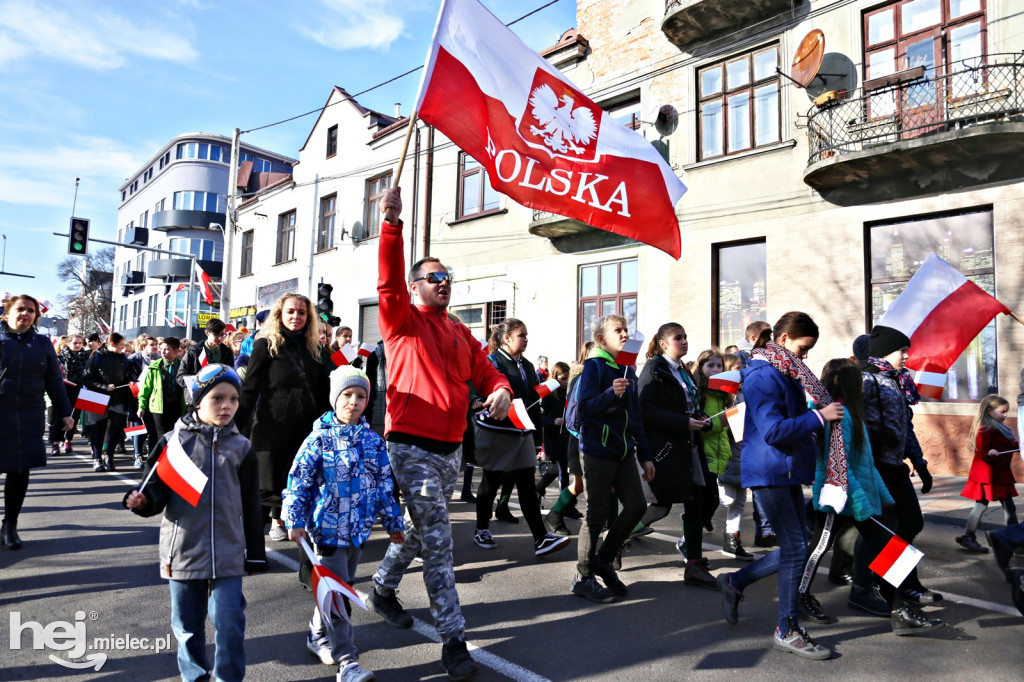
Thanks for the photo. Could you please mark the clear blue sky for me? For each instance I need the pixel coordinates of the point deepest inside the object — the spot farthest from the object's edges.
(93, 88)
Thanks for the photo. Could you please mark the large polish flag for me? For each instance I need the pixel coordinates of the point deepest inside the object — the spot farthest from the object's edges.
(543, 142)
(179, 472)
(204, 284)
(941, 311)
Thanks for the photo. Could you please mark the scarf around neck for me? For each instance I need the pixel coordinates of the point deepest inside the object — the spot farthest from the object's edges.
(902, 375)
(789, 365)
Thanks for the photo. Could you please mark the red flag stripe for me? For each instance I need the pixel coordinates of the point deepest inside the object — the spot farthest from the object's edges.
(889, 554)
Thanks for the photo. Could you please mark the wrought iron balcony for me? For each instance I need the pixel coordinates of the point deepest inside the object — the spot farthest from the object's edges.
(687, 21)
(924, 135)
(572, 236)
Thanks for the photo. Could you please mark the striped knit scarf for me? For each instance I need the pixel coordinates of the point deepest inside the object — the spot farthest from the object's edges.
(834, 492)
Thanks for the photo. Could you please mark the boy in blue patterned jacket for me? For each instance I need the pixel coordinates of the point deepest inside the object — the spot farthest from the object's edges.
(339, 483)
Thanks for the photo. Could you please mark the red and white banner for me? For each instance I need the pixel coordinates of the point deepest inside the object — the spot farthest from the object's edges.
(329, 590)
(725, 381)
(941, 311)
(518, 414)
(178, 321)
(366, 349)
(630, 350)
(543, 142)
(179, 472)
(204, 284)
(91, 401)
(735, 416)
(896, 560)
(103, 327)
(547, 388)
(203, 360)
(345, 355)
(139, 430)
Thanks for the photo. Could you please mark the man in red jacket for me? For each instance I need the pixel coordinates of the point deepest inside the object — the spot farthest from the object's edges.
(430, 359)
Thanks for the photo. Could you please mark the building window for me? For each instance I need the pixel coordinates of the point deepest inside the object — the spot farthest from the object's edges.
(332, 141)
(285, 237)
(159, 206)
(151, 310)
(258, 165)
(475, 192)
(965, 241)
(202, 150)
(627, 113)
(607, 289)
(200, 248)
(480, 317)
(942, 36)
(375, 188)
(144, 219)
(247, 238)
(740, 295)
(325, 231)
(199, 201)
(177, 305)
(739, 103)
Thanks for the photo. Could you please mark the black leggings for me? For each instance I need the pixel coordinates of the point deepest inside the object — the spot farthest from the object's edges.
(111, 426)
(692, 521)
(523, 479)
(15, 488)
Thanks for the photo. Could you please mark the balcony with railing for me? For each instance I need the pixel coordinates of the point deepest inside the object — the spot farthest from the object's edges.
(687, 21)
(920, 133)
(572, 236)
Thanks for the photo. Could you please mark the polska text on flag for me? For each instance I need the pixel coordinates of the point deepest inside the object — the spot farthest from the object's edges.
(630, 350)
(941, 312)
(547, 388)
(179, 472)
(543, 142)
(91, 401)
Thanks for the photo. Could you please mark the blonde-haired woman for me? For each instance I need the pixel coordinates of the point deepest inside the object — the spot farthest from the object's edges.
(286, 388)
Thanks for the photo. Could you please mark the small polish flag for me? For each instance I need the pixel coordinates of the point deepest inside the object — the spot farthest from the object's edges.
(366, 349)
(70, 383)
(203, 360)
(179, 321)
(135, 430)
(345, 355)
(725, 381)
(44, 305)
(630, 350)
(547, 388)
(519, 416)
(134, 386)
(735, 416)
(91, 401)
(106, 329)
(896, 560)
(204, 284)
(930, 384)
(180, 473)
(330, 591)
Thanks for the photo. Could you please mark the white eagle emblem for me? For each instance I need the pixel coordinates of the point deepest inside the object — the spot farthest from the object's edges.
(562, 128)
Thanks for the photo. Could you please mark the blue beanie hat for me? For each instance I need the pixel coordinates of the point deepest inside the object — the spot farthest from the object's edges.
(210, 376)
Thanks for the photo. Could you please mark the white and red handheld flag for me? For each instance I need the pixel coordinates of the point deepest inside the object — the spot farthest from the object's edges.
(179, 472)
(345, 355)
(725, 381)
(134, 386)
(547, 388)
(735, 416)
(203, 360)
(544, 143)
(104, 328)
(139, 430)
(941, 312)
(366, 349)
(518, 414)
(329, 590)
(91, 401)
(630, 350)
(896, 560)
(204, 284)
(44, 305)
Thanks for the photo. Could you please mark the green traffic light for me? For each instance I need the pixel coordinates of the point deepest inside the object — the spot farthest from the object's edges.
(78, 247)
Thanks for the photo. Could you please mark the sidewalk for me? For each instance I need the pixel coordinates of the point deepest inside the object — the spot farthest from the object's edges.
(945, 505)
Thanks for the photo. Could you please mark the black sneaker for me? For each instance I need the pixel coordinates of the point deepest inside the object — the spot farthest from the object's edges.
(589, 588)
(731, 547)
(456, 660)
(550, 543)
(731, 598)
(809, 607)
(503, 513)
(389, 608)
(571, 512)
(908, 620)
(606, 572)
(870, 601)
(483, 539)
(767, 540)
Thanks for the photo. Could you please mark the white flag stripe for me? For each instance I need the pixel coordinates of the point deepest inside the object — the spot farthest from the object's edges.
(902, 567)
(931, 284)
(184, 466)
(930, 378)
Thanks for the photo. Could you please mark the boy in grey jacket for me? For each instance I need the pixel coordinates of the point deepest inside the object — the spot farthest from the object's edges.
(204, 551)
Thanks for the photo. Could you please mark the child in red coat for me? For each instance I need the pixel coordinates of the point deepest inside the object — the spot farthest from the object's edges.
(991, 478)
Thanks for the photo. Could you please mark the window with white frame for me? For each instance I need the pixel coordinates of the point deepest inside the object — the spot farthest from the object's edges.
(285, 238)
(739, 103)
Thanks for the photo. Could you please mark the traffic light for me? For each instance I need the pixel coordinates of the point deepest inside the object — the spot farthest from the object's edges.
(324, 304)
(78, 240)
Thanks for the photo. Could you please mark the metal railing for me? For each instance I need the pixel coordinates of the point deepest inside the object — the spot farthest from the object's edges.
(971, 92)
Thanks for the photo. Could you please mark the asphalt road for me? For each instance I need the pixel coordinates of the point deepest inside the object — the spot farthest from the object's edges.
(93, 565)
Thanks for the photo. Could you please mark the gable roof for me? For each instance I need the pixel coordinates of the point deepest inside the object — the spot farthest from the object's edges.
(376, 118)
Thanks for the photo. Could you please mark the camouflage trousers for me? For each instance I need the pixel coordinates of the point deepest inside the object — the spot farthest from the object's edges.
(427, 480)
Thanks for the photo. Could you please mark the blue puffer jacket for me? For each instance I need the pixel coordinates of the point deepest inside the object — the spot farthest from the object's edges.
(778, 448)
(611, 424)
(339, 483)
(866, 492)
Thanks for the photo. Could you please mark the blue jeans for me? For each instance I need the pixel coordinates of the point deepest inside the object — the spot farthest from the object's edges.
(762, 526)
(784, 508)
(190, 601)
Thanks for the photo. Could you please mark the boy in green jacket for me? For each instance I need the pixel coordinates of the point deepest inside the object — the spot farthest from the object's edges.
(161, 400)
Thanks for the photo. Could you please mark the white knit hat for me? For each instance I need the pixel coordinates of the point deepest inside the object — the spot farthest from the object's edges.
(346, 376)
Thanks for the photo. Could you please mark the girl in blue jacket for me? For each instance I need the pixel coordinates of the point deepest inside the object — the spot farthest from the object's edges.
(778, 457)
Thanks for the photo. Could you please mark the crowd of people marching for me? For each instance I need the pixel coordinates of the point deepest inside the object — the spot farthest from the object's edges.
(314, 447)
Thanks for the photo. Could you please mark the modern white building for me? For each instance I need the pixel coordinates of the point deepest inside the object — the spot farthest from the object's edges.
(177, 202)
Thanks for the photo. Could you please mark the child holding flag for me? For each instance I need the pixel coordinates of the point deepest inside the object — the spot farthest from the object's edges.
(339, 483)
(990, 478)
(207, 480)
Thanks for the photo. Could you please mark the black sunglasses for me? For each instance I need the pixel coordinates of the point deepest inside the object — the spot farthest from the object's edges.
(436, 278)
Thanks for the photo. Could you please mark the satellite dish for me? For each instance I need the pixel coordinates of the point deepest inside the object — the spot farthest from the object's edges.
(808, 58)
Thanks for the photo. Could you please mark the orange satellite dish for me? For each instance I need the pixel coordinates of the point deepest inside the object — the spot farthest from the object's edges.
(808, 58)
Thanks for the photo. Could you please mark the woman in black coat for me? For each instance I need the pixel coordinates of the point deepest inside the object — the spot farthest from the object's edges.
(668, 406)
(28, 370)
(106, 372)
(286, 389)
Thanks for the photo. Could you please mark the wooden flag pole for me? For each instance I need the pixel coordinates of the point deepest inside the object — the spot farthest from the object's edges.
(389, 215)
(1016, 317)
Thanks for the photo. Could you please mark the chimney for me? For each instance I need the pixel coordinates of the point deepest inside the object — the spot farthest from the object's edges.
(398, 110)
